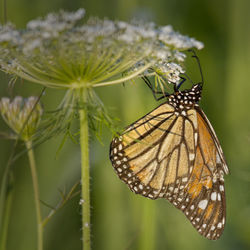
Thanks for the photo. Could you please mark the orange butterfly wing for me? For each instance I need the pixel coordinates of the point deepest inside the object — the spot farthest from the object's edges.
(175, 155)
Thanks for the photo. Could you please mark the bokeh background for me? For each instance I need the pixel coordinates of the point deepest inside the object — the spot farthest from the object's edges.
(122, 220)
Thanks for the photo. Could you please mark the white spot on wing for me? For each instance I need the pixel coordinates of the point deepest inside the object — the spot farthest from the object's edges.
(225, 168)
(202, 204)
(184, 179)
(213, 196)
(218, 159)
(191, 156)
(195, 138)
(219, 197)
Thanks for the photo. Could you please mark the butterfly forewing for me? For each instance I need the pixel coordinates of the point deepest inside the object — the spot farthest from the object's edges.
(173, 153)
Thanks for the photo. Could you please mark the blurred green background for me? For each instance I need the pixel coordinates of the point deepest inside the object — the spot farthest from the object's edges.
(120, 219)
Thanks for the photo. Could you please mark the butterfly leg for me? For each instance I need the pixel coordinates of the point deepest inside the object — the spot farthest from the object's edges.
(155, 93)
(176, 87)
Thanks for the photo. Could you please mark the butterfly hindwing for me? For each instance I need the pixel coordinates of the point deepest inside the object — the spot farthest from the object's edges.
(174, 153)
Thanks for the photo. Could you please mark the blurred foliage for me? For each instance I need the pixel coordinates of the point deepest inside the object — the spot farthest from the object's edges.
(117, 223)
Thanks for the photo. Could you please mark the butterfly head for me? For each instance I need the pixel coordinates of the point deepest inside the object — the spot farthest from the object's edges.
(187, 98)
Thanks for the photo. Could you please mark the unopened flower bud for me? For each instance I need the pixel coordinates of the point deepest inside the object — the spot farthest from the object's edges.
(22, 115)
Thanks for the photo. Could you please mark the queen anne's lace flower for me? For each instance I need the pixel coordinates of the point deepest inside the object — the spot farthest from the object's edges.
(63, 52)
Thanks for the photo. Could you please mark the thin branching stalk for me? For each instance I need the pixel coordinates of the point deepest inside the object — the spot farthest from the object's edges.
(85, 200)
(65, 198)
(36, 195)
(123, 79)
(6, 214)
(3, 198)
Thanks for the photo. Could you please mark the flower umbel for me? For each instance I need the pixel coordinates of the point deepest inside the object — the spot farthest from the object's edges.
(60, 51)
(22, 115)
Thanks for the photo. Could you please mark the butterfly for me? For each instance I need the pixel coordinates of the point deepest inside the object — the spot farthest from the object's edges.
(173, 153)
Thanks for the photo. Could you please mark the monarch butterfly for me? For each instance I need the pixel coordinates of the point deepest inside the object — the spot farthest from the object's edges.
(173, 152)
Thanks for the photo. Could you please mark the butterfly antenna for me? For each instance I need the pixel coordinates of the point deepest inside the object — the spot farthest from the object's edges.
(199, 64)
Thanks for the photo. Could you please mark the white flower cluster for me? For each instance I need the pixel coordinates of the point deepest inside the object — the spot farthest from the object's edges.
(53, 24)
(173, 72)
(60, 51)
(8, 34)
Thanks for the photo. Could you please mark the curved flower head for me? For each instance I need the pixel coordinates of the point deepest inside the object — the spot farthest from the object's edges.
(22, 115)
(62, 51)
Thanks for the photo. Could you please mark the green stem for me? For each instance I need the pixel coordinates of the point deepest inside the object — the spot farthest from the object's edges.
(6, 213)
(36, 195)
(85, 200)
(148, 223)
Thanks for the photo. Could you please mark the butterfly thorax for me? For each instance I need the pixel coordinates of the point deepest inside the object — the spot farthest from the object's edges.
(186, 99)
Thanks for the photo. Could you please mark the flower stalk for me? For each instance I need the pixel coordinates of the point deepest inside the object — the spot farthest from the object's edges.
(23, 117)
(32, 164)
(6, 202)
(85, 196)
